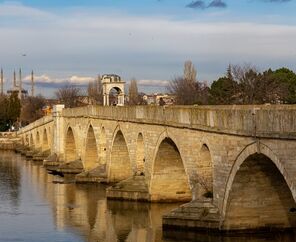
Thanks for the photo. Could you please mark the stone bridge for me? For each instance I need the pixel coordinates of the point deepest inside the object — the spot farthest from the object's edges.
(234, 165)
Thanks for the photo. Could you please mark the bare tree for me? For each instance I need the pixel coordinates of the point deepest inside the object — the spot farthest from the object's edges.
(95, 91)
(257, 88)
(133, 92)
(187, 89)
(32, 108)
(68, 95)
(189, 71)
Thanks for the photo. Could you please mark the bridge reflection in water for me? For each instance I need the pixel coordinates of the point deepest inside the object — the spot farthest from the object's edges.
(81, 212)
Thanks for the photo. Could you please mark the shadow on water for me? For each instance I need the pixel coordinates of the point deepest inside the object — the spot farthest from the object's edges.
(83, 211)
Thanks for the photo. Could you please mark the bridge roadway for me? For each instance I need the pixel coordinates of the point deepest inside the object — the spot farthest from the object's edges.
(234, 165)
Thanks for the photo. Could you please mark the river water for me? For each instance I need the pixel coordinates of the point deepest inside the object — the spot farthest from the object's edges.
(36, 206)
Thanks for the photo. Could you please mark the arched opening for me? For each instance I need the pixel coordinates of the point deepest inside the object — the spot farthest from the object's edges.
(120, 166)
(114, 96)
(45, 144)
(27, 141)
(259, 197)
(140, 155)
(169, 180)
(204, 186)
(103, 147)
(31, 141)
(91, 152)
(37, 139)
(70, 146)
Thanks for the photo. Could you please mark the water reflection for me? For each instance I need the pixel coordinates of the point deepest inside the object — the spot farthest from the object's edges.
(10, 180)
(72, 212)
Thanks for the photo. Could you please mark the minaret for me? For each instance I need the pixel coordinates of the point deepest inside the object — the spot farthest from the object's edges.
(20, 85)
(14, 80)
(1, 81)
(32, 83)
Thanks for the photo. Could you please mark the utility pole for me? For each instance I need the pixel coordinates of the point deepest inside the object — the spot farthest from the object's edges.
(32, 83)
(1, 81)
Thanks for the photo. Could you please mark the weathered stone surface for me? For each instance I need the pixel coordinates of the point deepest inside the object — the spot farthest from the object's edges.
(96, 175)
(72, 167)
(134, 188)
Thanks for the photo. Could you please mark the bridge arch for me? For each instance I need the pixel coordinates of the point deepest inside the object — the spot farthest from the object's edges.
(169, 181)
(70, 146)
(120, 166)
(31, 141)
(140, 155)
(91, 150)
(27, 140)
(45, 141)
(38, 142)
(204, 166)
(258, 192)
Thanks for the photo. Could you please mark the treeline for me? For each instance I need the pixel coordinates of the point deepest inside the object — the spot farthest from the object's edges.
(239, 85)
(16, 113)
(10, 109)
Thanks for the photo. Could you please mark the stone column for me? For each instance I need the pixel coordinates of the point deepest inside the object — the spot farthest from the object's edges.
(58, 132)
(121, 99)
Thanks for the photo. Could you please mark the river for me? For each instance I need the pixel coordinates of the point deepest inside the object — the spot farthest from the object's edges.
(36, 206)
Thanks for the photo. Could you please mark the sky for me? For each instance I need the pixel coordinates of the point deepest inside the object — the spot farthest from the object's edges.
(74, 41)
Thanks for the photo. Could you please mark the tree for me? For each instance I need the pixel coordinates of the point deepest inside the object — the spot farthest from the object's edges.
(68, 95)
(286, 79)
(189, 72)
(4, 125)
(187, 89)
(133, 92)
(14, 108)
(95, 91)
(223, 91)
(32, 108)
(245, 85)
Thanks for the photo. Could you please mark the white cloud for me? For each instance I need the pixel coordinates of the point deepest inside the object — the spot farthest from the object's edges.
(157, 83)
(46, 79)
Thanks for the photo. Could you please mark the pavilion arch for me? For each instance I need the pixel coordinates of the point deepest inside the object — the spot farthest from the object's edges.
(91, 159)
(114, 95)
(140, 155)
(45, 142)
(120, 166)
(169, 181)
(70, 146)
(103, 147)
(258, 192)
(204, 186)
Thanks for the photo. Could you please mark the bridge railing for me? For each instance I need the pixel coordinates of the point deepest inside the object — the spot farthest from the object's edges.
(248, 120)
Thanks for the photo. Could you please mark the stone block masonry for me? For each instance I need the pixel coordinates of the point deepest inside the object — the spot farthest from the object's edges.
(239, 161)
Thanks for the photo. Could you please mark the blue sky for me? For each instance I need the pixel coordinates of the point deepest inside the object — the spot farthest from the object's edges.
(148, 39)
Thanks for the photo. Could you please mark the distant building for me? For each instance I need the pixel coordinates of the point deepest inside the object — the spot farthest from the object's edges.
(153, 99)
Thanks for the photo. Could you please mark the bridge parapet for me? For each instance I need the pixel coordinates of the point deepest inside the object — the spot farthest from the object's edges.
(42, 121)
(274, 121)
